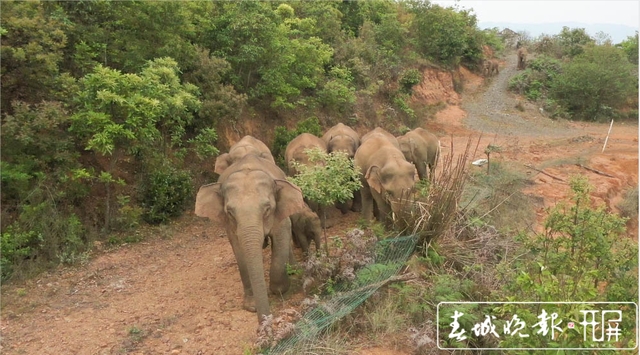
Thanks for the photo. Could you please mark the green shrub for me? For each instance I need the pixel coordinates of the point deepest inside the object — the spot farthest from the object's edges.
(337, 93)
(534, 82)
(165, 192)
(409, 79)
(41, 233)
(630, 47)
(595, 81)
(580, 256)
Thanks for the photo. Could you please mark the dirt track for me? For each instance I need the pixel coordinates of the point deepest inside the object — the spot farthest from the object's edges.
(183, 294)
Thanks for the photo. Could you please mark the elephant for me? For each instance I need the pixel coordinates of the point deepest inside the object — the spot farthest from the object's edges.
(306, 228)
(388, 178)
(522, 58)
(295, 150)
(379, 130)
(491, 66)
(253, 200)
(422, 148)
(247, 145)
(342, 138)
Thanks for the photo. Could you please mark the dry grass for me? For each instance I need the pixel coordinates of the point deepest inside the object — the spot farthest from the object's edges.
(432, 213)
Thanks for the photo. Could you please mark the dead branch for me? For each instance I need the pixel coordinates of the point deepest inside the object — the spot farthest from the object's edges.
(543, 172)
(596, 171)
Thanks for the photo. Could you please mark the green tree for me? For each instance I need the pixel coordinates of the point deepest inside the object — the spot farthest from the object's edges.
(630, 47)
(595, 82)
(124, 114)
(440, 33)
(32, 50)
(574, 40)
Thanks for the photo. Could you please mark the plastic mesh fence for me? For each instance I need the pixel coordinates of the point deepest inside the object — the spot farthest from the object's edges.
(391, 255)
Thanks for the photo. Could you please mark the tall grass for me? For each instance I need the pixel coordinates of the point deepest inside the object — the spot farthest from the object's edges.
(432, 211)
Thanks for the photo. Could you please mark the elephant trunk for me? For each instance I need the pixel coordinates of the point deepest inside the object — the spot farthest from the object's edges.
(251, 239)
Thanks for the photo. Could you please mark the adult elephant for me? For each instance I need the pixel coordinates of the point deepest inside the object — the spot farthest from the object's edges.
(422, 148)
(247, 145)
(253, 200)
(296, 150)
(377, 131)
(522, 58)
(388, 178)
(342, 138)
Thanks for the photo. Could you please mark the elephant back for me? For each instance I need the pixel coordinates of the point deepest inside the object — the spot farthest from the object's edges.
(253, 162)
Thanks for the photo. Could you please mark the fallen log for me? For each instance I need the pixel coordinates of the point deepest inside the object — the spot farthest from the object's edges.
(543, 172)
(596, 171)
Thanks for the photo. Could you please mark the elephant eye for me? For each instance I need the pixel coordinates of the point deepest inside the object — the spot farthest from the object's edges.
(267, 210)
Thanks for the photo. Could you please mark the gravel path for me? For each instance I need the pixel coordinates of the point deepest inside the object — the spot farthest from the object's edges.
(493, 111)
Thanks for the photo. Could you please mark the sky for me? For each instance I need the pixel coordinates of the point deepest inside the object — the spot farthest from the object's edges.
(609, 12)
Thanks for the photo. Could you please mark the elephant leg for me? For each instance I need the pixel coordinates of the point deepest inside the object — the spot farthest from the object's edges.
(318, 241)
(292, 257)
(367, 203)
(300, 237)
(248, 302)
(384, 211)
(422, 169)
(281, 244)
(343, 207)
(356, 205)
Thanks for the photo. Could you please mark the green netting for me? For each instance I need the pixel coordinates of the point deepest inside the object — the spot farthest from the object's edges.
(391, 255)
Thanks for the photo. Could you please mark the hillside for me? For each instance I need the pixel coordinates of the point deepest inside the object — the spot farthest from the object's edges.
(178, 290)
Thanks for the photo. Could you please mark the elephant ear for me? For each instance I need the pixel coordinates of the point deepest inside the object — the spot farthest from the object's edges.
(209, 202)
(222, 163)
(288, 200)
(373, 178)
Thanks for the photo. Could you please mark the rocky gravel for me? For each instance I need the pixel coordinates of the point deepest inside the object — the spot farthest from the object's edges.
(493, 110)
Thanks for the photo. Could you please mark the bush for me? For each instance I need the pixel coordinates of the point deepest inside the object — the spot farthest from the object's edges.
(42, 233)
(409, 79)
(582, 250)
(165, 193)
(594, 81)
(337, 93)
(534, 82)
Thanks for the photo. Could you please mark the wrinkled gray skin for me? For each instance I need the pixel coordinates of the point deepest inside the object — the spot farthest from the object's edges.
(392, 139)
(247, 145)
(306, 228)
(422, 148)
(253, 200)
(387, 178)
(296, 150)
(342, 138)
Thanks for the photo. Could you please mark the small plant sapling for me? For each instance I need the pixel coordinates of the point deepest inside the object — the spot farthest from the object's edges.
(488, 150)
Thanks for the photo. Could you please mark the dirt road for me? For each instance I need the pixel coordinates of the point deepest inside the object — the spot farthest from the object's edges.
(182, 294)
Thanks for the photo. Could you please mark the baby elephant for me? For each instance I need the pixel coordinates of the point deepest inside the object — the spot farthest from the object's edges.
(491, 66)
(306, 228)
(422, 148)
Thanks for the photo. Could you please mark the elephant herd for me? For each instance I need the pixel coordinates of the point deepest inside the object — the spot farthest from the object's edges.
(254, 201)
(491, 67)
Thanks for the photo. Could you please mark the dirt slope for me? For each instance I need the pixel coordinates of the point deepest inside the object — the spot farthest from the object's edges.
(182, 294)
